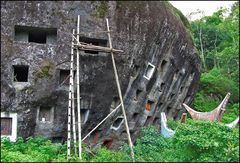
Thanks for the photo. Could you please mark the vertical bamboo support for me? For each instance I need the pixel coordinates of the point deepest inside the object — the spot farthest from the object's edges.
(73, 99)
(69, 108)
(120, 95)
(78, 97)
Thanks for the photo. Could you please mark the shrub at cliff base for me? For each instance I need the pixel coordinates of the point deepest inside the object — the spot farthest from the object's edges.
(193, 141)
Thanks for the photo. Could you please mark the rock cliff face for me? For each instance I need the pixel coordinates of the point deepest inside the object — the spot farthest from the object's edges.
(158, 71)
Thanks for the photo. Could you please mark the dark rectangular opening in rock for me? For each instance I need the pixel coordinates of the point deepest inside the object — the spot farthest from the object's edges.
(108, 143)
(64, 77)
(168, 109)
(156, 121)
(149, 105)
(148, 120)
(45, 114)
(115, 102)
(84, 115)
(163, 65)
(93, 41)
(117, 122)
(181, 90)
(135, 117)
(36, 34)
(37, 37)
(135, 70)
(149, 72)
(20, 73)
(138, 94)
(171, 96)
(162, 86)
(6, 126)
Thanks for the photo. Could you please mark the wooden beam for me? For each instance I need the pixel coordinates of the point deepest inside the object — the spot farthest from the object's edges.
(78, 98)
(120, 95)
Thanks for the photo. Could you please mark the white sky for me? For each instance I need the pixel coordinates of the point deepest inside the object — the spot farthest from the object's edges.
(208, 7)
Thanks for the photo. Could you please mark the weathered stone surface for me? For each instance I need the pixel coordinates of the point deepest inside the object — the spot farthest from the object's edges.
(145, 31)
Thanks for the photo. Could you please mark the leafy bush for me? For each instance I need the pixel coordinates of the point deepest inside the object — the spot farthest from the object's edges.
(194, 141)
(218, 83)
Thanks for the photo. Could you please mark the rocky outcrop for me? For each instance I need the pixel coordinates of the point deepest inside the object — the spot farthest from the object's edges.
(158, 70)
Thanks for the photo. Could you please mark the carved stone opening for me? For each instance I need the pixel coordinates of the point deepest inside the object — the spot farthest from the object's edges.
(117, 123)
(93, 41)
(64, 77)
(45, 114)
(156, 121)
(36, 34)
(149, 105)
(163, 65)
(149, 72)
(6, 126)
(135, 117)
(84, 115)
(138, 94)
(115, 102)
(148, 120)
(20, 73)
(108, 143)
(162, 87)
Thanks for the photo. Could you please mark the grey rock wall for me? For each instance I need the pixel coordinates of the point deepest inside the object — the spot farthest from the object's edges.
(147, 32)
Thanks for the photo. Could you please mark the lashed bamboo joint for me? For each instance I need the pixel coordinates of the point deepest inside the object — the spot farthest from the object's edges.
(84, 46)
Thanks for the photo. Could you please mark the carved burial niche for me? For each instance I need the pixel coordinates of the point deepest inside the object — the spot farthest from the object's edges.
(163, 66)
(85, 104)
(108, 143)
(156, 121)
(20, 73)
(149, 72)
(6, 126)
(115, 102)
(36, 34)
(138, 94)
(84, 115)
(149, 105)
(93, 41)
(46, 114)
(148, 120)
(117, 123)
(64, 77)
(9, 125)
(135, 117)
(162, 87)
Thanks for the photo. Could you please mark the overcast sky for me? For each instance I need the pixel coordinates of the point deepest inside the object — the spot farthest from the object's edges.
(208, 7)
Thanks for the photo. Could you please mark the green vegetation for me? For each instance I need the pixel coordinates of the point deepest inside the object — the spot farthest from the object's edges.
(45, 71)
(193, 141)
(101, 9)
(217, 38)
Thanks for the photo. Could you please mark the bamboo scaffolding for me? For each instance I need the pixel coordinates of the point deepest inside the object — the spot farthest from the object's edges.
(78, 98)
(97, 48)
(69, 110)
(73, 100)
(120, 95)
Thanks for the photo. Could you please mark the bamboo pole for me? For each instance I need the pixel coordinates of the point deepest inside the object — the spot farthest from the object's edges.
(120, 95)
(73, 100)
(69, 111)
(78, 97)
(101, 122)
(85, 46)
